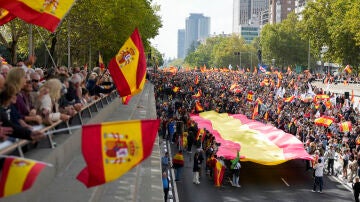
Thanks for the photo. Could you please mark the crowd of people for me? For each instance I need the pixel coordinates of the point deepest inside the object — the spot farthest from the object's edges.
(287, 100)
(35, 96)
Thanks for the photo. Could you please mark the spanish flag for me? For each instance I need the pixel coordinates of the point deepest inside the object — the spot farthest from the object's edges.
(18, 175)
(345, 126)
(198, 107)
(256, 111)
(101, 63)
(197, 79)
(259, 143)
(176, 89)
(128, 67)
(321, 97)
(219, 171)
(44, 13)
(289, 99)
(324, 121)
(250, 96)
(198, 94)
(112, 149)
(5, 16)
(348, 69)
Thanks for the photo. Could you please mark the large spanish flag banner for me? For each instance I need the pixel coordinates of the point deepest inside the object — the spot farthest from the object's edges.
(257, 142)
(18, 175)
(111, 149)
(44, 13)
(128, 67)
(219, 171)
(5, 16)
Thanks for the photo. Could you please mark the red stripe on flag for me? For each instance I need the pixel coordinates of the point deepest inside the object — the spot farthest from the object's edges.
(119, 79)
(141, 68)
(4, 175)
(32, 175)
(148, 132)
(92, 152)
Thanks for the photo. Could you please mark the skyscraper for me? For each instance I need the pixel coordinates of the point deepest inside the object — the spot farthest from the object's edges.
(181, 43)
(247, 12)
(197, 28)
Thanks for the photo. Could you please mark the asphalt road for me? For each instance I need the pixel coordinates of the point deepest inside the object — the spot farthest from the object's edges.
(285, 182)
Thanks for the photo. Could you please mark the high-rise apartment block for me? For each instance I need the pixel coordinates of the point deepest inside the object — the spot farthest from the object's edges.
(197, 28)
(279, 10)
(181, 43)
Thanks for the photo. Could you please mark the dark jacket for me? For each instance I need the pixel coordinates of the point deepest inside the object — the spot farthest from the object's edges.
(18, 131)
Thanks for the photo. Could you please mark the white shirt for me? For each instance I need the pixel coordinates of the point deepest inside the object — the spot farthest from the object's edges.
(319, 169)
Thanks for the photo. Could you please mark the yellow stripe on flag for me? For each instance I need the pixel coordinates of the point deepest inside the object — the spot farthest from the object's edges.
(264, 151)
(128, 143)
(17, 176)
(57, 9)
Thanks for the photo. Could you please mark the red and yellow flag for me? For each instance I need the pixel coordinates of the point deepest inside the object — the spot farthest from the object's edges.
(256, 110)
(345, 126)
(128, 67)
(197, 79)
(44, 13)
(219, 171)
(324, 121)
(257, 142)
(250, 96)
(198, 107)
(289, 99)
(321, 97)
(5, 16)
(18, 175)
(175, 89)
(198, 94)
(101, 63)
(348, 69)
(112, 149)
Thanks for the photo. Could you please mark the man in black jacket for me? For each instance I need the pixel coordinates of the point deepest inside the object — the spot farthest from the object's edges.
(356, 188)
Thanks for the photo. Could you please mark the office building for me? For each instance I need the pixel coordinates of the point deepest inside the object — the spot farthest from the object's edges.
(181, 43)
(197, 28)
(247, 12)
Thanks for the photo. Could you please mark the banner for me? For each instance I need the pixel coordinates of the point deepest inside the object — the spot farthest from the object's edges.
(128, 67)
(257, 142)
(112, 149)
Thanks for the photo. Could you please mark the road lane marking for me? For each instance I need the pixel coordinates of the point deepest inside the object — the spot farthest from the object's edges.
(285, 182)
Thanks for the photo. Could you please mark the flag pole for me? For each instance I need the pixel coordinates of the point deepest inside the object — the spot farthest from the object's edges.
(42, 38)
(63, 129)
(4, 156)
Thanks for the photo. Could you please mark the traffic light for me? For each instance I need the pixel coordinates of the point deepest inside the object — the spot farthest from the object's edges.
(259, 55)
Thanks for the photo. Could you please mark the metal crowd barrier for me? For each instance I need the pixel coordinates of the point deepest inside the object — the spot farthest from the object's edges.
(8, 147)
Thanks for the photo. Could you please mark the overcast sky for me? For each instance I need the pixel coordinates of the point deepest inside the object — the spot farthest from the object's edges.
(174, 12)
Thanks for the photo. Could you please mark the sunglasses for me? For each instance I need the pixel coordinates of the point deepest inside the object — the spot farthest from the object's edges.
(35, 81)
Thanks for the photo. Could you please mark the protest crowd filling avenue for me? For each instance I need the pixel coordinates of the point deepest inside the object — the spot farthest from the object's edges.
(326, 123)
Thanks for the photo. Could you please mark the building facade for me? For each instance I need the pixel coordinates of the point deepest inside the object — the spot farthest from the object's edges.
(181, 43)
(248, 12)
(279, 10)
(197, 28)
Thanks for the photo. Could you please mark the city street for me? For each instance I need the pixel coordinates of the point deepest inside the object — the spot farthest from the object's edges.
(284, 182)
